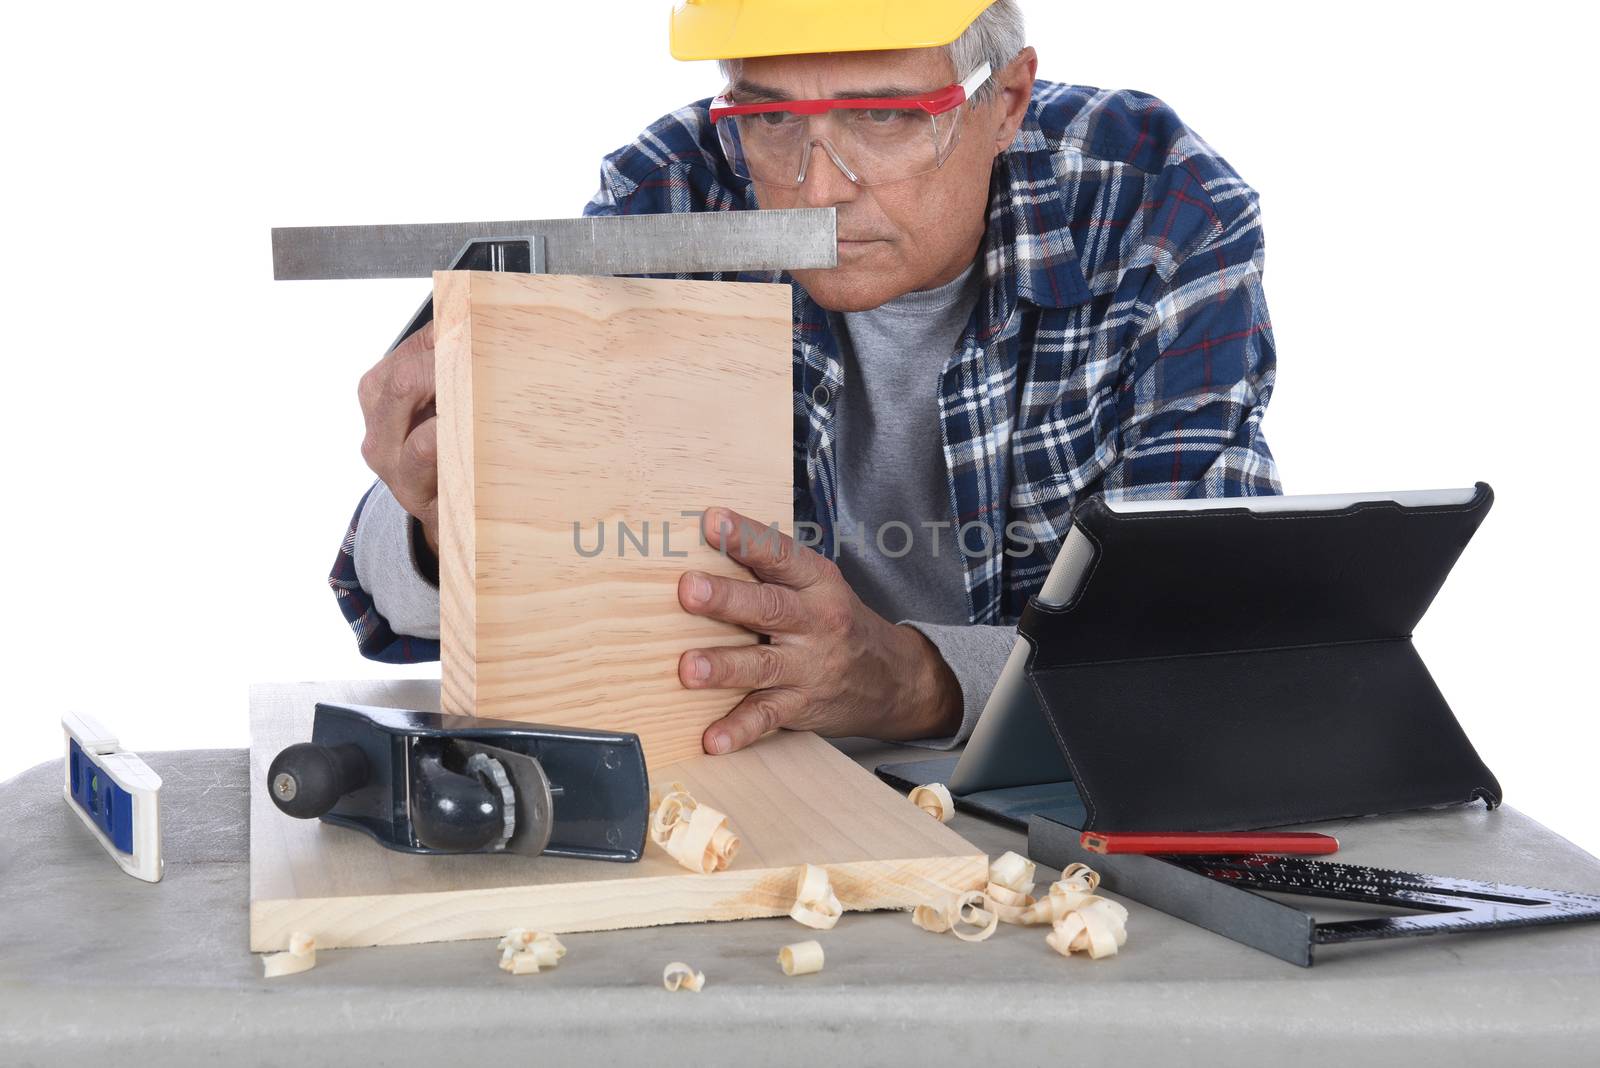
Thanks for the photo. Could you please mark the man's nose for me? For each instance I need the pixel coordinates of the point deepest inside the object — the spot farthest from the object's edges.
(825, 184)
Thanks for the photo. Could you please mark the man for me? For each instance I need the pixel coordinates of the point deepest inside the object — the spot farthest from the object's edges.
(1043, 291)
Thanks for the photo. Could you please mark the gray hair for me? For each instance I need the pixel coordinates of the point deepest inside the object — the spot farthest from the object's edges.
(995, 37)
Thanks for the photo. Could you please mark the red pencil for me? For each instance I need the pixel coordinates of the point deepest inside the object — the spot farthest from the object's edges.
(1301, 842)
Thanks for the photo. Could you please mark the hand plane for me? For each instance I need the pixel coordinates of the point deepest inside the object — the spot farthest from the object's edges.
(420, 782)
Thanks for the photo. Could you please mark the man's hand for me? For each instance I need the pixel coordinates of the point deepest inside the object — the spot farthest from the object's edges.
(833, 665)
(401, 445)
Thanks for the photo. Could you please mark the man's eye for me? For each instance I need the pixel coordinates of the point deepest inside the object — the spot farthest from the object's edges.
(883, 116)
(772, 118)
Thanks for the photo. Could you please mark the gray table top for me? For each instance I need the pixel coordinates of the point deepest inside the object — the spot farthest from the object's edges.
(93, 961)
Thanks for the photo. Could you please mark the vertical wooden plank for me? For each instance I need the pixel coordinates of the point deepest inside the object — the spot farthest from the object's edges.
(458, 571)
(580, 419)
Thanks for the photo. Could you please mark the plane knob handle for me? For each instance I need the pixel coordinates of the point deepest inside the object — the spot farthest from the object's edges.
(306, 780)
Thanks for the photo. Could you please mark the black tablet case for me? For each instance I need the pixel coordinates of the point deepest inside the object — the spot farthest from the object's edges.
(1229, 669)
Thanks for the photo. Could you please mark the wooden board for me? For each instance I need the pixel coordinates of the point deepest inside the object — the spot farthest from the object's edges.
(793, 798)
(565, 400)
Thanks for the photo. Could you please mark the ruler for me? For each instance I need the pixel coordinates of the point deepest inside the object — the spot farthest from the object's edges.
(678, 243)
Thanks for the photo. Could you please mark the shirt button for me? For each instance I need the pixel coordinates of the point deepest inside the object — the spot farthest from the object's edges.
(819, 395)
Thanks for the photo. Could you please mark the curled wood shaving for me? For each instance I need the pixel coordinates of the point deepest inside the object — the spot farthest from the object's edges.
(695, 835)
(815, 904)
(1080, 877)
(1076, 886)
(801, 958)
(968, 915)
(935, 918)
(935, 800)
(1010, 887)
(969, 910)
(525, 952)
(1099, 925)
(1008, 905)
(1012, 871)
(679, 976)
(301, 956)
(1080, 921)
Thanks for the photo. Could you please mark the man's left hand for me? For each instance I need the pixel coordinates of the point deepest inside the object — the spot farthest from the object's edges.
(832, 665)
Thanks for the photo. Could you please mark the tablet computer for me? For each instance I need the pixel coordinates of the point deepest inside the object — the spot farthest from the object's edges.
(1012, 744)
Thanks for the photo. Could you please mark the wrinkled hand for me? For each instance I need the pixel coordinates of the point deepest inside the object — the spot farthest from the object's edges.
(832, 665)
(402, 442)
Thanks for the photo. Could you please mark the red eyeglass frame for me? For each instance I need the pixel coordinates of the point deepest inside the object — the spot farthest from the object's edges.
(935, 103)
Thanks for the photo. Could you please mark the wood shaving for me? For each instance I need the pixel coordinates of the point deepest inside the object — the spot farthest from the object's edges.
(525, 952)
(970, 910)
(935, 918)
(1080, 877)
(815, 904)
(969, 916)
(1009, 906)
(300, 957)
(1099, 926)
(801, 958)
(1011, 879)
(1012, 871)
(1076, 887)
(935, 800)
(695, 835)
(679, 976)
(1080, 921)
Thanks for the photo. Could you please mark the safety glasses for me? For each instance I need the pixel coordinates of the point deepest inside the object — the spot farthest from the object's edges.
(872, 140)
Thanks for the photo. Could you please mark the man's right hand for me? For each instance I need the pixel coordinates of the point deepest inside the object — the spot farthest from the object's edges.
(401, 445)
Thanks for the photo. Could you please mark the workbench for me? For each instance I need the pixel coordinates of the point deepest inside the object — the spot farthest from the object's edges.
(94, 964)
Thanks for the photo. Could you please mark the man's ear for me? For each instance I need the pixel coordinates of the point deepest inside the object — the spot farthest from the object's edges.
(1015, 85)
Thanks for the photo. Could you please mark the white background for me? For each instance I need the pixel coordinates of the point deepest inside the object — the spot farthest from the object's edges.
(181, 433)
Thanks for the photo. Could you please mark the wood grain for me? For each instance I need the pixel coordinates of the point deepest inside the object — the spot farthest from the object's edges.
(793, 798)
(570, 401)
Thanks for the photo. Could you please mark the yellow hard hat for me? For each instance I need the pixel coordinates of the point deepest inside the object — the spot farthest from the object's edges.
(738, 29)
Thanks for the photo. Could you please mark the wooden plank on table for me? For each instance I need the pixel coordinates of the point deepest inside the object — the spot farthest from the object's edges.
(566, 400)
(793, 798)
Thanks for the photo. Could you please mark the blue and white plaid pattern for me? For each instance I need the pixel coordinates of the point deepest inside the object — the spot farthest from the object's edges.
(1121, 346)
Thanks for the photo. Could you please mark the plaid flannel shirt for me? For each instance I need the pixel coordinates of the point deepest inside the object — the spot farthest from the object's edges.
(1121, 345)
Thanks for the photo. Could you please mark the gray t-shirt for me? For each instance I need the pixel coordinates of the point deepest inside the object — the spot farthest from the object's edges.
(897, 543)
(891, 469)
